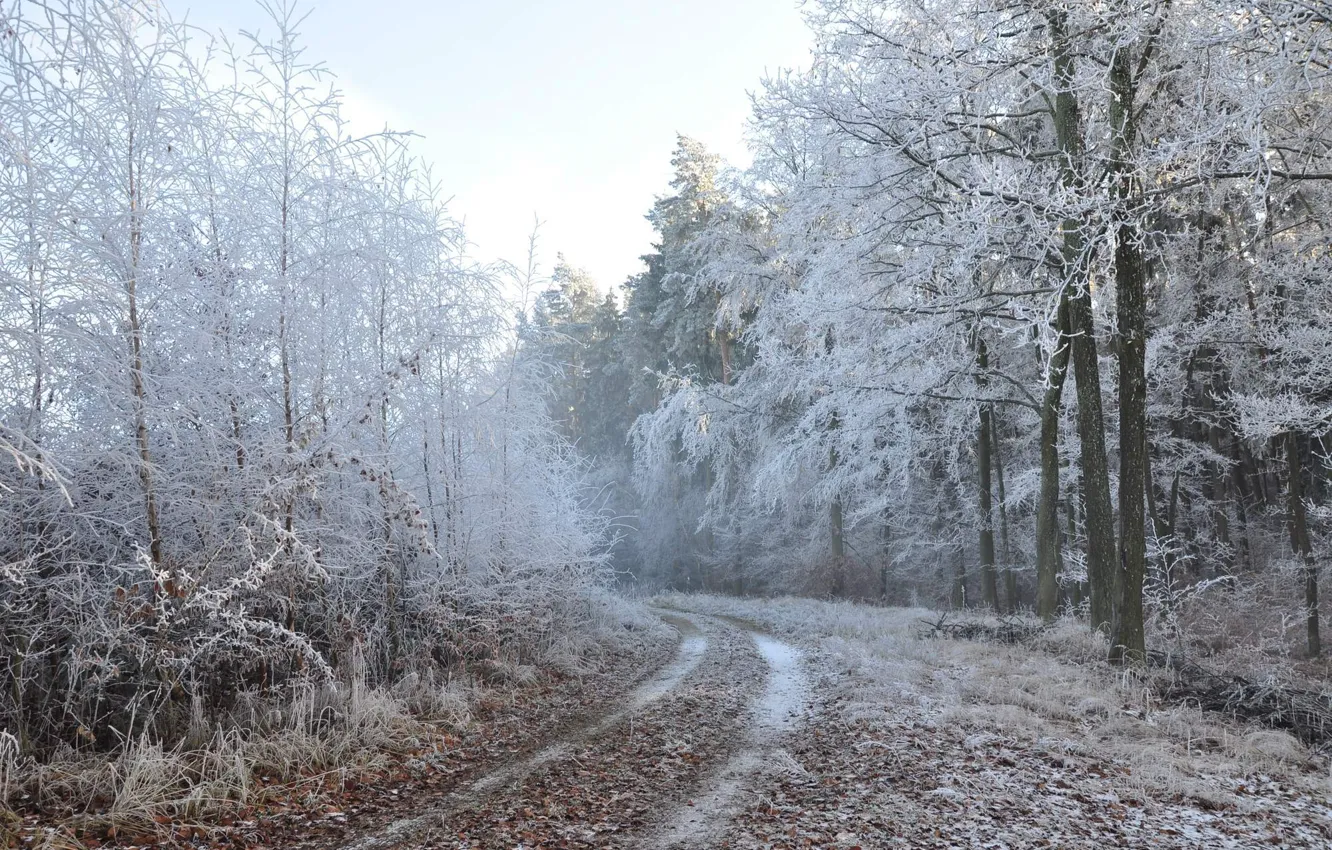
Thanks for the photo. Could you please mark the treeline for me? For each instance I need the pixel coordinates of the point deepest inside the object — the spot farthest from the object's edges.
(268, 425)
(607, 359)
(1021, 305)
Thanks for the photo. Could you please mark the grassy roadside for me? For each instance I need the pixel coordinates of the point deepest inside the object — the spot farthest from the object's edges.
(951, 735)
(332, 756)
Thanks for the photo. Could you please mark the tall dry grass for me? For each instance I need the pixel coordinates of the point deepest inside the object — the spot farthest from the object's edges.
(317, 735)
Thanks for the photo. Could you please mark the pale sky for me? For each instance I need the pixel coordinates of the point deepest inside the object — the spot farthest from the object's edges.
(566, 109)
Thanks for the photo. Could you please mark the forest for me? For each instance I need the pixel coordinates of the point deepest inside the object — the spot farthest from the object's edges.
(264, 417)
(845, 366)
(1020, 311)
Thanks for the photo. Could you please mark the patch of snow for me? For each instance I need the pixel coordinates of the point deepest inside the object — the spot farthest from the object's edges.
(778, 710)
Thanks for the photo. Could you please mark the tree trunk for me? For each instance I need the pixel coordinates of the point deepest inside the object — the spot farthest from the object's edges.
(426, 478)
(960, 579)
(284, 356)
(1047, 520)
(838, 543)
(886, 547)
(1244, 554)
(724, 347)
(1072, 270)
(1077, 590)
(1300, 543)
(139, 386)
(1129, 642)
(1047, 506)
(989, 583)
(838, 546)
(1163, 529)
(1001, 496)
(1099, 517)
(1220, 496)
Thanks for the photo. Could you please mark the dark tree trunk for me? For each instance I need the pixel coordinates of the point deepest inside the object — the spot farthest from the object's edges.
(1096, 509)
(838, 545)
(1300, 543)
(1005, 549)
(1098, 516)
(989, 575)
(886, 544)
(1073, 250)
(960, 579)
(1129, 642)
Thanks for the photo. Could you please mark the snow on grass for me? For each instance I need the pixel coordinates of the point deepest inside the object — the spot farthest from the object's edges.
(1057, 698)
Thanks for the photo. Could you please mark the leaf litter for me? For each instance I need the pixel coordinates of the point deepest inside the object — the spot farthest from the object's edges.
(926, 745)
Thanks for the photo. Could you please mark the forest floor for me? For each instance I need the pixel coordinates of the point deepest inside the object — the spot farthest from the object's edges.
(912, 742)
(794, 723)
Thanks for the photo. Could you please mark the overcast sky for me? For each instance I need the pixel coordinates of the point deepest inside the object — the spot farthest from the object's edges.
(566, 109)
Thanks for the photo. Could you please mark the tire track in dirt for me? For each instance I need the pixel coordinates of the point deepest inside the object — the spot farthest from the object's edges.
(693, 645)
(609, 789)
(700, 822)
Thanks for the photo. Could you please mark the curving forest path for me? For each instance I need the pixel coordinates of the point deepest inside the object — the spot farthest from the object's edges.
(855, 734)
(664, 767)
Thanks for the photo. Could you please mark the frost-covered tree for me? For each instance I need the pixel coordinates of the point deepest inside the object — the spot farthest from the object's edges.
(952, 210)
(669, 328)
(265, 415)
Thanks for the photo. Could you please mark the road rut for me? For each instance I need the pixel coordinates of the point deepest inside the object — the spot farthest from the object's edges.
(695, 731)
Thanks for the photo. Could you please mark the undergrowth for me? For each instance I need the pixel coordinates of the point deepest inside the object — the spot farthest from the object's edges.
(298, 749)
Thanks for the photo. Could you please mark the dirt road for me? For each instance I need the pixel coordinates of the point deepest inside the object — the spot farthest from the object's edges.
(665, 768)
(866, 738)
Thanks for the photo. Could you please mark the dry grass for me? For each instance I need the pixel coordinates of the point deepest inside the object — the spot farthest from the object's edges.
(1064, 698)
(605, 623)
(1254, 627)
(9, 762)
(9, 772)
(264, 749)
(147, 786)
